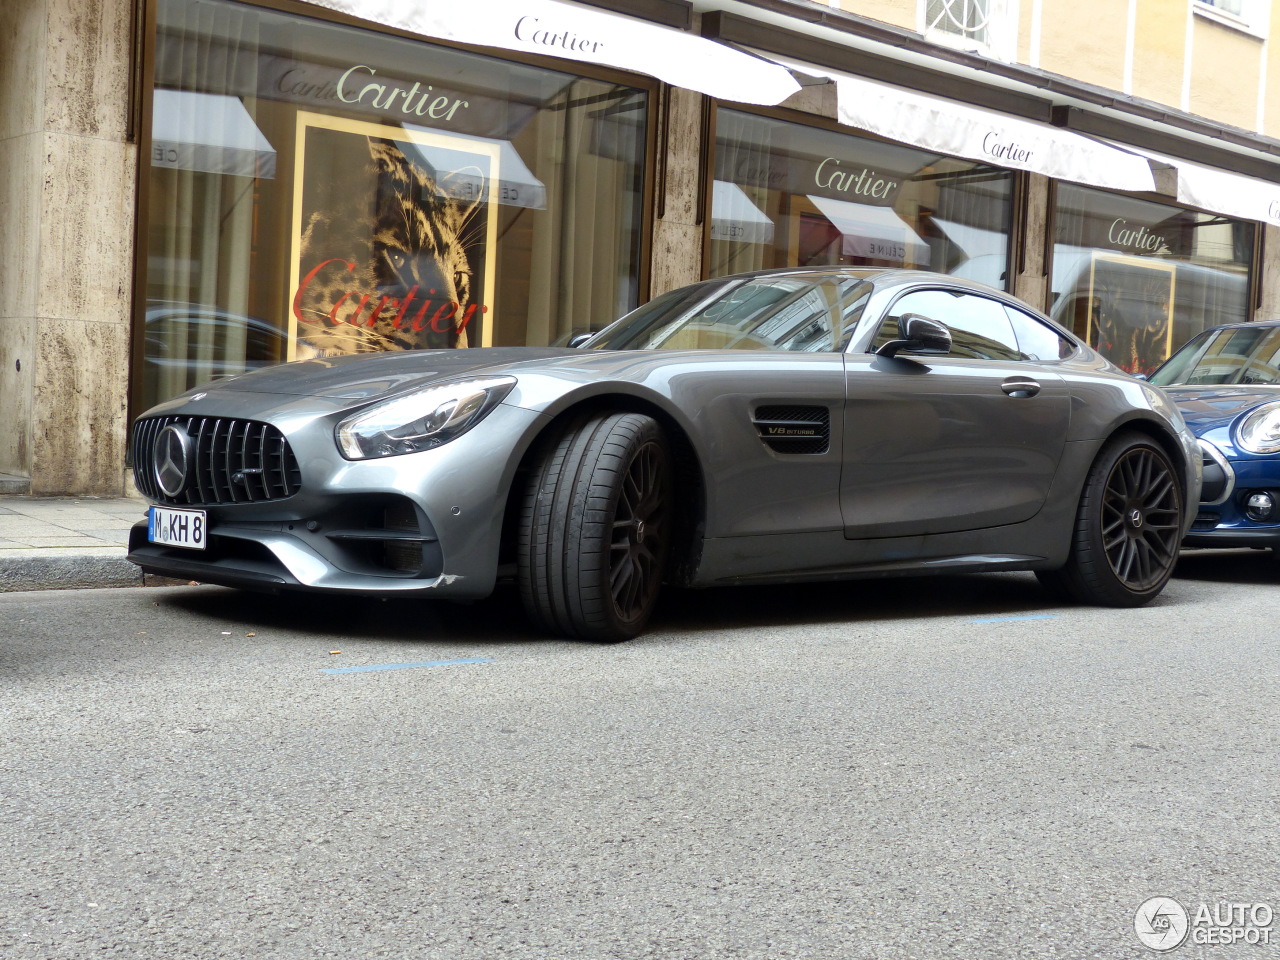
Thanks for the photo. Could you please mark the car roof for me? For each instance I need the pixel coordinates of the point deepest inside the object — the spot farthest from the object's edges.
(1242, 325)
(888, 277)
(881, 276)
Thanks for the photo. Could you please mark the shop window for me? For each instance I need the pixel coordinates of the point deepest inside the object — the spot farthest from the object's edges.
(1137, 279)
(787, 194)
(317, 190)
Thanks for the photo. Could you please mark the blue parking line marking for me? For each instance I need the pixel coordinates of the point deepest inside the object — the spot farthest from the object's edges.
(406, 666)
(1034, 616)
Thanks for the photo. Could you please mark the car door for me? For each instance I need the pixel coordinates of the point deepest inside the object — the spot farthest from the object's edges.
(766, 395)
(939, 444)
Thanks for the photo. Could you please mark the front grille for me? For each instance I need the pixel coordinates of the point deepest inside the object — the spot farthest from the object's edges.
(794, 429)
(231, 461)
(1205, 521)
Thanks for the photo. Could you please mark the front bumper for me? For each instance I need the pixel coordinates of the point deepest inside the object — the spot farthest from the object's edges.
(428, 523)
(1220, 519)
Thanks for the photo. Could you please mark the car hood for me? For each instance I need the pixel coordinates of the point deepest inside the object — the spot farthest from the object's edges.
(368, 376)
(1206, 407)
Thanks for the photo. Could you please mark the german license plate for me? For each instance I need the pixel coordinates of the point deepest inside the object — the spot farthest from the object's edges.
(177, 528)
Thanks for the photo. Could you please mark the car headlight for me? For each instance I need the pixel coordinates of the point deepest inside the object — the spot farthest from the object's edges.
(420, 420)
(1259, 431)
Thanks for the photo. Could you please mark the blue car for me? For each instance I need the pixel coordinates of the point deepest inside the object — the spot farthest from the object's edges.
(1226, 382)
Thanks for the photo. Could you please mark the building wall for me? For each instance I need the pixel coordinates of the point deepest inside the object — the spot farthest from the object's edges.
(67, 194)
(1084, 39)
(1158, 50)
(1225, 65)
(68, 214)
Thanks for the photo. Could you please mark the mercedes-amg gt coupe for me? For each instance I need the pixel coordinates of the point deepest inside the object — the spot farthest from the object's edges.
(779, 426)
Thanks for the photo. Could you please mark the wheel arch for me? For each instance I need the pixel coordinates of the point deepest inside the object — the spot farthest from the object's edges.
(1159, 434)
(690, 479)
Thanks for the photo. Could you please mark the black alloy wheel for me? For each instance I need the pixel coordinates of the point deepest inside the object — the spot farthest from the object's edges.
(595, 528)
(1128, 527)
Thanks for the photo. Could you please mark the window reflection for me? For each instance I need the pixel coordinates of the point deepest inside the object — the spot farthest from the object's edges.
(317, 189)
(786, 195)
(1137, 278)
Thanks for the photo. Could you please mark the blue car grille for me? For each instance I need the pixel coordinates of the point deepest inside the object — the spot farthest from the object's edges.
(231, 461)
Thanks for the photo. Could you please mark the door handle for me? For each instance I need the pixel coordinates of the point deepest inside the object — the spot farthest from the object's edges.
(1020, 387)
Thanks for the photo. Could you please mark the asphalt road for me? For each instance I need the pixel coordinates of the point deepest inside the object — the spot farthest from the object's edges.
(948, 768)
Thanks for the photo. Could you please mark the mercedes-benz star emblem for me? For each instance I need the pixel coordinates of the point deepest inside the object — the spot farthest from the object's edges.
(1135, 518)
(169, 460)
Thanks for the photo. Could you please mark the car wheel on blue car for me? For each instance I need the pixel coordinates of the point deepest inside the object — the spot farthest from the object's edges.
(595, 528)
(1128, 527)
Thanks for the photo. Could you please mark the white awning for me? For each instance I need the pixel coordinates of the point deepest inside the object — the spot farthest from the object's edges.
(960, 130)
(516, 185)
(876, 233)
(1220, 191)
(210, 133)
(734, 217)
(957, 129)
(555, 29)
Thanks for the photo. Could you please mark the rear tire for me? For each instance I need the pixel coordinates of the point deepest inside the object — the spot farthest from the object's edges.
(1128, 527)
(595, 528)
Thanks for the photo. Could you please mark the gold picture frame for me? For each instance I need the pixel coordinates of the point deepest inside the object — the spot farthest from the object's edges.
(394, 238)
(1130, 309)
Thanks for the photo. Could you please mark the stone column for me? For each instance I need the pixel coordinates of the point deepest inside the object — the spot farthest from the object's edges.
(1269, 308)
(1031, 282)
(676, 257)
(677, 234)
(67, 208)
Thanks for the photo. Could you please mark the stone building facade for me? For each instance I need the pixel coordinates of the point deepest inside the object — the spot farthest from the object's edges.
(163, 163)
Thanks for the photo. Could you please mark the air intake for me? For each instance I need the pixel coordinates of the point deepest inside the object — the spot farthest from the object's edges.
(798, 430)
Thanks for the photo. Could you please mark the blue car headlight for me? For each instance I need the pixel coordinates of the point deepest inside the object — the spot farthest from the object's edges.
(420, 420)
(1259, 431)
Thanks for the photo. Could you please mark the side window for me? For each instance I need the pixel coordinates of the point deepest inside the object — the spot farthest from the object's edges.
(1037, 340)
(980, 328)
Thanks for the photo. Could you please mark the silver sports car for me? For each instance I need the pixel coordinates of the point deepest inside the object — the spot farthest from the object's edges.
(781, 426)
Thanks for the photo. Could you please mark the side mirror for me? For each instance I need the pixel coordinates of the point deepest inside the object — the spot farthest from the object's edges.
(919, 334)
(578, 339)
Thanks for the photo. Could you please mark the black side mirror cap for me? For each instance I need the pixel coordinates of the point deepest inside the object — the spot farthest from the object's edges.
(919, 334)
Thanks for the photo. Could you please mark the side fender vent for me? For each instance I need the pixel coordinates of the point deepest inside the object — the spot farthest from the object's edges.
(794, 429)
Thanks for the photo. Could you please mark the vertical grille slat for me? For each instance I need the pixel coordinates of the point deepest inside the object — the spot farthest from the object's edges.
(236, 463)
(220, 450)
(260, 445)
(202, 494)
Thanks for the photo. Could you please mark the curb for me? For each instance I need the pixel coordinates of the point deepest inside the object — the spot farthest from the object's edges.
(67, 573)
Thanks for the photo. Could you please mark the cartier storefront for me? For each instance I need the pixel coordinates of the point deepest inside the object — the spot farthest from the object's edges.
(316, 189)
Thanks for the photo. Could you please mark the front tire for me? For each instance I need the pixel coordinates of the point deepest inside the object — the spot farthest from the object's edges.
(1128, 527)
(595, 528)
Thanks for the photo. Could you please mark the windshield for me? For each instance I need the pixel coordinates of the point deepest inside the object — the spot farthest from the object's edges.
(1234, 355)
(782, 312)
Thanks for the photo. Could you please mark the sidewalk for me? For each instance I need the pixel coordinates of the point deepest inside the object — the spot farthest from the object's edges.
(64, 542)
